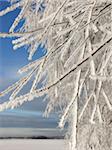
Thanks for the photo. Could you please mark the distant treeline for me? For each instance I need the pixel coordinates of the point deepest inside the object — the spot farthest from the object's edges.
(34, 137)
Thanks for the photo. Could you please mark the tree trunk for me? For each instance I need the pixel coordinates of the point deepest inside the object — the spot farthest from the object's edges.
(73, 128)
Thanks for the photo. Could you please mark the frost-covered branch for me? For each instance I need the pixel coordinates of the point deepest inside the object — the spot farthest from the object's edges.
(76, 69)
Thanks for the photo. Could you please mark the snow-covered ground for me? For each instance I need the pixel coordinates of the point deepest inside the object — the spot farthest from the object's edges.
(33, 144)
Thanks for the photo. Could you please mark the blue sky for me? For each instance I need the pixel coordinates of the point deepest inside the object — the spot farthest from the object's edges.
(30, 114)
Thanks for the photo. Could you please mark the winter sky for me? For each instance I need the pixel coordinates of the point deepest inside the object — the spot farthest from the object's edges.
(30, 114)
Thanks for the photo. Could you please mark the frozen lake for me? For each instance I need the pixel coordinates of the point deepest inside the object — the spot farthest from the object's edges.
(33, 144)
(30, 132)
